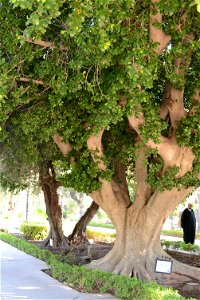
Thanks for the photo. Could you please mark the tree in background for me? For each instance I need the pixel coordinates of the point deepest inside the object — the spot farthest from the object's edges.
(115, 84)
(26, 162)
(22, 159)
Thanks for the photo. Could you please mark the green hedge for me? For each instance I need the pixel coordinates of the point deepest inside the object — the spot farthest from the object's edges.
(100, 236)
(177, 233)
(34, 231)
(95, 281)
(178, 245)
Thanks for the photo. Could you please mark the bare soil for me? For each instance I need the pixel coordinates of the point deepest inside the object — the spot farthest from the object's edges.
(83, 254)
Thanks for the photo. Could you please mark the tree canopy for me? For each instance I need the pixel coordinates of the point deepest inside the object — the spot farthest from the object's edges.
(115, 84)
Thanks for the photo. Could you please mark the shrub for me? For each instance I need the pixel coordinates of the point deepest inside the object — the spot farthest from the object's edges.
(100, 236)
(34, 231)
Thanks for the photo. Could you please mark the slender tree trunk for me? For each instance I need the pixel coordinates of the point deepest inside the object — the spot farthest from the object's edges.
(49, 186)
(79, 233)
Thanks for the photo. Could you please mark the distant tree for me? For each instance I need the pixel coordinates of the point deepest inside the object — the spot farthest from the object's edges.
(22, 159)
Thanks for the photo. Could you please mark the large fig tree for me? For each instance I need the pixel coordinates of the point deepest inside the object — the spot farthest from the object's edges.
(116, 85)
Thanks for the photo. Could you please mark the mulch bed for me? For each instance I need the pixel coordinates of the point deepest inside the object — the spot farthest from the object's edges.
(81, 255)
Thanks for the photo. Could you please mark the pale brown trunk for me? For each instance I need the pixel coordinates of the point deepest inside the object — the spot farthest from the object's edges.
(137, 244)
(79, 233)
(49, 186)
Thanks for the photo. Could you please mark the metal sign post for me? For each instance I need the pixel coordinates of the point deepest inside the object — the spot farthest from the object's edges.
(163, 266)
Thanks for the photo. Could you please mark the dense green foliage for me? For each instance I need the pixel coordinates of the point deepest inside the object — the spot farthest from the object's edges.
(89, 281)
(34, 231)
(74, 86)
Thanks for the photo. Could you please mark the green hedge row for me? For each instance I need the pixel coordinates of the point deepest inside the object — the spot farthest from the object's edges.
(177, 233)
(169, 232)
(95, 281)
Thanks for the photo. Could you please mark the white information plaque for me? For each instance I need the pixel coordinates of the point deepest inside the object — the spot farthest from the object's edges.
(163, 266)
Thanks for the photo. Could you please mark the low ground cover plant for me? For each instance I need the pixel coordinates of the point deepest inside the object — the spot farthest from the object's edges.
(82, 279)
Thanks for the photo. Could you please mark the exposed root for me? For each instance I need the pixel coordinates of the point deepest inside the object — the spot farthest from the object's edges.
(77, 239)
(128, 267)
(108, 262)
(182, 269)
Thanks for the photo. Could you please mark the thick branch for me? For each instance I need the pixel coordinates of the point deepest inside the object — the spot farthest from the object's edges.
(94, 144)
(143, 190)
(45, 44)
(170, 199)
(119, 183)
(26, 79)
(168, 149)
(164, 110)
(197, 98)
(157, 35)
(176, 107)
(65, 148)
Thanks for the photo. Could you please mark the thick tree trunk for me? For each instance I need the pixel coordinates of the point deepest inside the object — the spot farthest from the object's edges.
(137, 244)
(49, 186)
(79, 233)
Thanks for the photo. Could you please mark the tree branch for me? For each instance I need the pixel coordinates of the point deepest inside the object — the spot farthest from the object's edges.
(157, 35)
(26, 79)
(143, 190)
(94, 144)
(197, 98)
(45, 44)
(119, 184)
(175, 98)
(168, 149)
(65, 148)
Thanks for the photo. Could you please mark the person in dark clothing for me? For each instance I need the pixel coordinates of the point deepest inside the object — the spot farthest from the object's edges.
(188, 223)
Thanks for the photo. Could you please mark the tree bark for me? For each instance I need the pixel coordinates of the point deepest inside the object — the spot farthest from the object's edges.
(49, 186)
(78, 235)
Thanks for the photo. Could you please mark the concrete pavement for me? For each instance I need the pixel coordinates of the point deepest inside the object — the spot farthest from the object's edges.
(22, 278)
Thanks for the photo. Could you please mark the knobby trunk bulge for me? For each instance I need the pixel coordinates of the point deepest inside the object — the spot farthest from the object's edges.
(49, 187)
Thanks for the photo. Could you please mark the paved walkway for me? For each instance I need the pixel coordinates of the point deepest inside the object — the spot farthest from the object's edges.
(22, 279)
